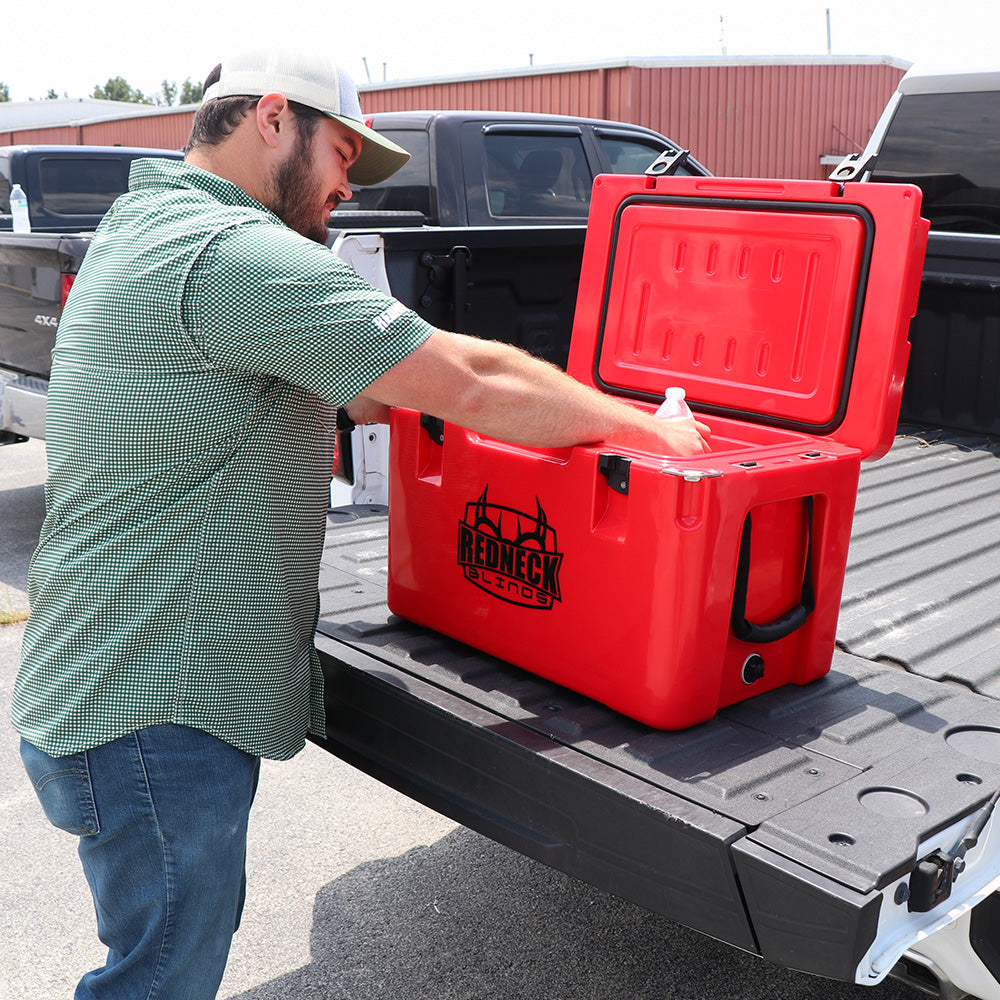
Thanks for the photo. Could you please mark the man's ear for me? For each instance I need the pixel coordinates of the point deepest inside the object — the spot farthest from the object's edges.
(272, 117)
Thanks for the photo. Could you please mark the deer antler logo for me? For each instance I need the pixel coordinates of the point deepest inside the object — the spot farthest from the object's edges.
(521, 567)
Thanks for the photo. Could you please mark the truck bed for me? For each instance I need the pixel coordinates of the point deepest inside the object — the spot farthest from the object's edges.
(787, 825)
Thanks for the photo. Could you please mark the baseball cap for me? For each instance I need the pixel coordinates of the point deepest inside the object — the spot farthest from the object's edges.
(314, 80)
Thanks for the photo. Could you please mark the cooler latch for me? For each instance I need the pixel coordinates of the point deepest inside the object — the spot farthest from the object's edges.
(615, 469)
(434, 426)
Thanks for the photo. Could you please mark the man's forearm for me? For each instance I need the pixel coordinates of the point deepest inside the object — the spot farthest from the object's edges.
(505, 393)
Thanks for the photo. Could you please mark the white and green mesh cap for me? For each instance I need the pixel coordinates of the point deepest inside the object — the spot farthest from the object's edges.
(317, 82)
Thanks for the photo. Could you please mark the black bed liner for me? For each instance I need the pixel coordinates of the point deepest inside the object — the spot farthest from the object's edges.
(775, 825)
(923, 581)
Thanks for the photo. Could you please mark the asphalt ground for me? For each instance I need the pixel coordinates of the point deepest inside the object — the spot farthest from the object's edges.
(354, 891)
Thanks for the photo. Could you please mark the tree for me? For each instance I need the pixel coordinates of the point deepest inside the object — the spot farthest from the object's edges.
(119, 89)
(191, 92)
(168, 93)
(167, 96)
(4, 92)
(51, 95)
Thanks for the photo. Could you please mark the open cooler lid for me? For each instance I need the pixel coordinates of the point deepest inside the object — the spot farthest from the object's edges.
(777, 302)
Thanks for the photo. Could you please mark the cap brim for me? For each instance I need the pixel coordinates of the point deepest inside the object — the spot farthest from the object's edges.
(380, 157)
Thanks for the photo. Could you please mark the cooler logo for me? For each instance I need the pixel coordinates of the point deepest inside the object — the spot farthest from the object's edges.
(521, 567)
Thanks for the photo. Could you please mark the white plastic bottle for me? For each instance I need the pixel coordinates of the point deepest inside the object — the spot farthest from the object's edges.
(674, 405)
(19, 209)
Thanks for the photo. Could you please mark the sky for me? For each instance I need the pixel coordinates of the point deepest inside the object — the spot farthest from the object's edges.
(75, 45)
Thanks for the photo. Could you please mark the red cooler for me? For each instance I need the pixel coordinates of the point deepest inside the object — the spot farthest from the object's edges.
(669, 587)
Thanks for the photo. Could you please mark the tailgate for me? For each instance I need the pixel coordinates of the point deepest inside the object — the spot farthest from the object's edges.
(789, 825)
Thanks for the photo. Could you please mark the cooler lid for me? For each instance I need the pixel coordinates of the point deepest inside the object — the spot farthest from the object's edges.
(778, 302)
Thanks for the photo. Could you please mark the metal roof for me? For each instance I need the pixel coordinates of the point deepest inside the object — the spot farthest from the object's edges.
(664, 63)
(83, 111)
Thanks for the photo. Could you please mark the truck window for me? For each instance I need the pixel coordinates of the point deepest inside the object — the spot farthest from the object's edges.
(408, 189)
(79, 185)
(539, 176)
(949, 145)
(629, 155)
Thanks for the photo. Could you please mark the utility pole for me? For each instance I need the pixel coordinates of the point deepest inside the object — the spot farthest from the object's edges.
(722, 33)
(829, 43)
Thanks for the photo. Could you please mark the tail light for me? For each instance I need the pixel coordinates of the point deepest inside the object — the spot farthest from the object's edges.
(66, 285)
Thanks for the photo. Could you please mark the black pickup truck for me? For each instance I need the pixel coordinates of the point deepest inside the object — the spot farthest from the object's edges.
(843, 828)
(69, 188)
(513, 189)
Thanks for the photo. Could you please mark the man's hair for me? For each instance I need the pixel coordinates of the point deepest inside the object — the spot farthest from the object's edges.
(216, 120)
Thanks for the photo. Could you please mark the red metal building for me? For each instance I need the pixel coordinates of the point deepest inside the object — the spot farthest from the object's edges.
(753, 117)
(767, 117)
(94, 123)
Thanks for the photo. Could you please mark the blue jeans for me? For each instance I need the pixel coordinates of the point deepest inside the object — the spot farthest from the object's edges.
(162, 819)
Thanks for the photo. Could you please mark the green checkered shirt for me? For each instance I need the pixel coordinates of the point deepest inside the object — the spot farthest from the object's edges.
(190, 427)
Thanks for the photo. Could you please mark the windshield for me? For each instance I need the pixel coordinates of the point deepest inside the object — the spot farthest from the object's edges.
(949, 145)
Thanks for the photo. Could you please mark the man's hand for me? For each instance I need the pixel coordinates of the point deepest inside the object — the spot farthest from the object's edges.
(684, 437)
(365, 410)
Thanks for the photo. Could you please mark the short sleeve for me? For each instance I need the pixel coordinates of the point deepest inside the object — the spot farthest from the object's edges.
(263, 299)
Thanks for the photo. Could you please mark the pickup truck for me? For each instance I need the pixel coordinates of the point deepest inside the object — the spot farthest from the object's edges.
(510, 189)
(843, 828)
(69, 189)
(938, 132)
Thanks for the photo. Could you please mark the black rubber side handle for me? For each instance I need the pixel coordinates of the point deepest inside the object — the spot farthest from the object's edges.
(792, 619)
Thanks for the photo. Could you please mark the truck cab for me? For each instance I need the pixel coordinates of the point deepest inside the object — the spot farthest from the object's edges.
(69, 188)
(496, 169)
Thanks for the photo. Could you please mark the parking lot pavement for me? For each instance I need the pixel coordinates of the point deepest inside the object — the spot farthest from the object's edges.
(355, 892)
(22, 506)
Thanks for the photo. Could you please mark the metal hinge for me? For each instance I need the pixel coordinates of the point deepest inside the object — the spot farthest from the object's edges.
(852, 166)
(691, 475)
(668, 162)
(456, 261)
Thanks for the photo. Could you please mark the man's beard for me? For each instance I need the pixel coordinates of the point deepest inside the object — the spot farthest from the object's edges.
(296, 194)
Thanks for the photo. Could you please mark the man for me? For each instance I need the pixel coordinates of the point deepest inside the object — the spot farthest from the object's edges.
(207, 341)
